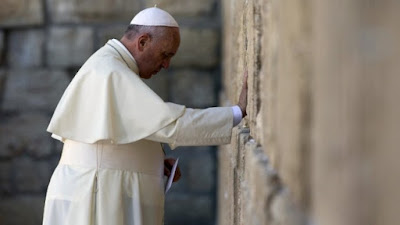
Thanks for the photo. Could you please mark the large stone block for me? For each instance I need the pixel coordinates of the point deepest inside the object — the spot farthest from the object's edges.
(185, 7)
(30, 90)
(260, 184)
(25, 133)
(284, 211)
(76, 11)
(69, 47)
(198, 48)
(31, 176)
(5, 178)
(227, 163)
(201, 173)
(160, 84)
(27, 210)
(1, 46)
(21, 12)
(109, 32)
(182, 209)
(3, 75)
(193, 89)
(25, 48)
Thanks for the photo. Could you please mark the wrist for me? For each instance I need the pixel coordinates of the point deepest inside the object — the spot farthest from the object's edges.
(243, 109)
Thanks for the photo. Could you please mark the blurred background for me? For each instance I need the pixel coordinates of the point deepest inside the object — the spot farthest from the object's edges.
(320, 144)
(43, 43)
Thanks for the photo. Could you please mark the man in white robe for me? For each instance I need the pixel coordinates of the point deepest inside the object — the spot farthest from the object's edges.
(112, 164)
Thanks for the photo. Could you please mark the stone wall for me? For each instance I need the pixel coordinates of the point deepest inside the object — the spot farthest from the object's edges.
(320, 143)
(42, 45)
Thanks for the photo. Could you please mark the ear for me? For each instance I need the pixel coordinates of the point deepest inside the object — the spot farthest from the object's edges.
(143, 41)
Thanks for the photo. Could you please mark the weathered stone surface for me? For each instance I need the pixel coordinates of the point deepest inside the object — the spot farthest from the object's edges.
(5, 178)
(21, 12)
(31, 176)
(69, 47)
(193, 89)
(27, 210)
(182, 209)
(159, 84)
(198, 48)
(25, 133)
(76, 11)
(184, 7)
(109, 32)
(356, 126)
(274, 50)
(30, 90)
(284, 211)
(25, 48)
(226, 165)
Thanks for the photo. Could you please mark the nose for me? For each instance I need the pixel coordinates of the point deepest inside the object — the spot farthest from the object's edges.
(165, 63)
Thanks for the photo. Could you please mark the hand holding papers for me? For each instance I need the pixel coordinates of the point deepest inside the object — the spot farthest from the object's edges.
(171, 176)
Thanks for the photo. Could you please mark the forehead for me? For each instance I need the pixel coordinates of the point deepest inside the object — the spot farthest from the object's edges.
(171, 39)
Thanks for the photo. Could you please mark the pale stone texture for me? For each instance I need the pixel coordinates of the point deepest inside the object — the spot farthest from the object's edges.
(32, 90)
(21, 12)
(292, 97)
(184, 7)
(193, 89)
(228, 190)
(323, 106)
(69, 47)
(25, 48)
(25, 134)
(27, 210)
(75, 11)
(274, 50)
(198, 48)
(356, 128)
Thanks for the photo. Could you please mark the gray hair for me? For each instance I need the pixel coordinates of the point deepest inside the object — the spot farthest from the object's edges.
(153, 31)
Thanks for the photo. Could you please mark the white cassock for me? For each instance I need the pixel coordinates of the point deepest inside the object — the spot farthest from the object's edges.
(111, 123)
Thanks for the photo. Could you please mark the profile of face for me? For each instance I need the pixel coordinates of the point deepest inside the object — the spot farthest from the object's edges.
(156, 52)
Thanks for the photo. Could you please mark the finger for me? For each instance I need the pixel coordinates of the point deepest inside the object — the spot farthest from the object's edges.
(168, 163)
(176, 177)
(177, 174)
(167, 172)
(245, 81)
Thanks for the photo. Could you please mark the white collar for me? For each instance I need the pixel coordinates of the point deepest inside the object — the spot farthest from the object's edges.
(124, 48)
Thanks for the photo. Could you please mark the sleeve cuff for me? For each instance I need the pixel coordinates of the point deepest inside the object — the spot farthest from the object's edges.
(237, 115)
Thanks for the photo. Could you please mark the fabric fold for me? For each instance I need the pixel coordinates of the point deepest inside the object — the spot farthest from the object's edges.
(107, 100)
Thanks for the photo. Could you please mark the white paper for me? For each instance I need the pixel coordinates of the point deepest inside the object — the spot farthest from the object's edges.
(171, 177)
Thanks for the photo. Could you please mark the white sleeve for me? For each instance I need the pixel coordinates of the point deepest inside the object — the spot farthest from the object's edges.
(237, 115)
(211, 126)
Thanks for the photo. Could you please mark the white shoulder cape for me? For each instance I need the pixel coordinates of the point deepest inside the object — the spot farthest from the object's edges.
(107, 100)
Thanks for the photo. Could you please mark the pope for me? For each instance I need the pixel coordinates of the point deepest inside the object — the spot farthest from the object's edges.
(111, 123)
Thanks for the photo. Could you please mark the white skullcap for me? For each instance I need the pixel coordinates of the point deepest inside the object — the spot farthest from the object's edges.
(154, 17)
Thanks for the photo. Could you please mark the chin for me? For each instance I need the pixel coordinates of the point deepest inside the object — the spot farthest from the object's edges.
(145, 76)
